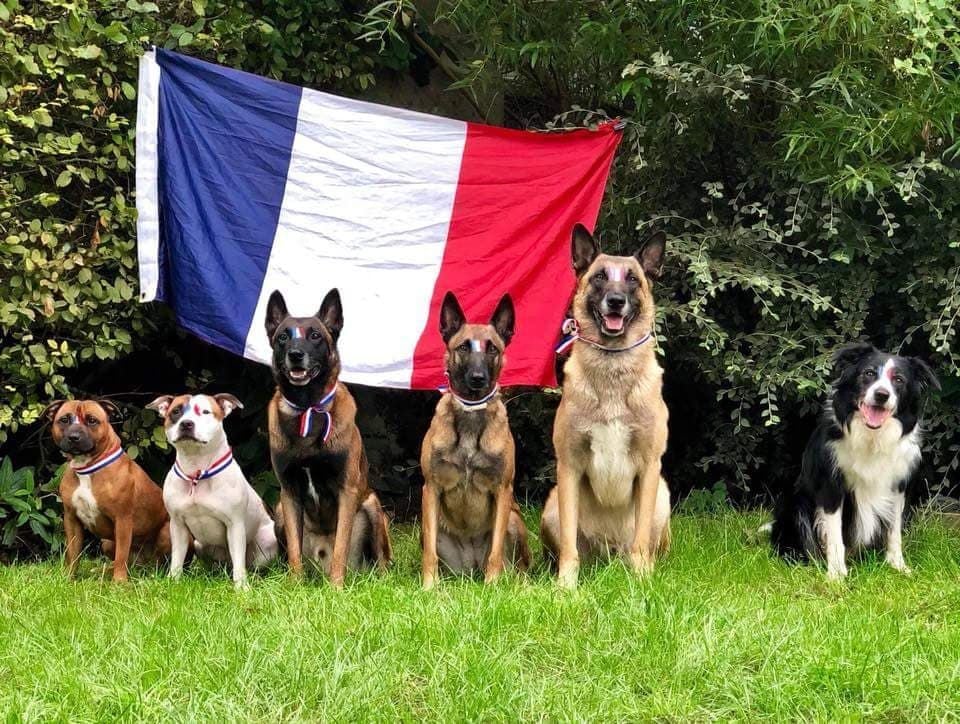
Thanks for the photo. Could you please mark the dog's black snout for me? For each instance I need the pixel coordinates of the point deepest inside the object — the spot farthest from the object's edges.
(187, 425)
(616, 302)
(295, 356)
(881, 396)
(73, 437)
(477, 380)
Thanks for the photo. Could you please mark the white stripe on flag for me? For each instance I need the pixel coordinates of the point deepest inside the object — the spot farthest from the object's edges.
(367, 208)
(148, 209)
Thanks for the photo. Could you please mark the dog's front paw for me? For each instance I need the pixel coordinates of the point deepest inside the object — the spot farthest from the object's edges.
(429, 582)
(641, 563)
(836, 573)
(492, 574)
(242, 585)
(567, 576)
(898, 564)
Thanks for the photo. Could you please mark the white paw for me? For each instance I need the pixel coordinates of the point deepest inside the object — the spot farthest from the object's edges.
(836, 573)
(898, 564)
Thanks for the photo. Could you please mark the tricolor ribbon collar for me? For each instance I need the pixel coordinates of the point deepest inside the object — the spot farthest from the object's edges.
(102, 462)
(470, 405)
(320, 408)
(216, 467)
(571, 331)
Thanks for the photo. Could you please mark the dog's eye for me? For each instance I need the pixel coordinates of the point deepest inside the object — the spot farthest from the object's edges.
(898, 380)
(65, 420)
(632, 278)
(283, 337)
(465, 347)
(91, 420)
(600, 276)
(870, 374)
(176, 410)
(491, 349)
(314, 335)
(206, 412)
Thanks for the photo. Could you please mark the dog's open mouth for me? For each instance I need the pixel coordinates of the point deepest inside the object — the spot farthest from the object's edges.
(874, 416)
(613, 324)
(301, 376)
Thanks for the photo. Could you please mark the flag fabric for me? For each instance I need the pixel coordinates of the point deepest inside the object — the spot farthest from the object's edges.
(246, 185)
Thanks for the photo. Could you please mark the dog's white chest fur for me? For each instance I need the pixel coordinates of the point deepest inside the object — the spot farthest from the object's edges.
(874, 463)
(84, 503)
(610, 468)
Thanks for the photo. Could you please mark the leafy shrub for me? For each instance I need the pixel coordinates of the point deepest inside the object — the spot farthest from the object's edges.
(28, 514)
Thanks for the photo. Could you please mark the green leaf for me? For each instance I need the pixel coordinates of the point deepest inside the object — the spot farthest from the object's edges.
(128, 90)
(64, 178)
(88, 52)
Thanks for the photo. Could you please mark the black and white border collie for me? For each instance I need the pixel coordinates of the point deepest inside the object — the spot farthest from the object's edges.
(851, 491)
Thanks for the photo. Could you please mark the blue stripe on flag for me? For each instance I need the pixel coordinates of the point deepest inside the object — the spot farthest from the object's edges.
(225, 140)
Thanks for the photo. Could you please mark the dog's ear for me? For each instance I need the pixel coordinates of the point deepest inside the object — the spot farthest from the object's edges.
(924, 374)
(584, 249)
(228, 403)
(331, 313)
(849, 355)
(113, 412)
(503, 319)
(451, 316)
(650, 255)
(276, 313)
(50, 411)
(162, 404)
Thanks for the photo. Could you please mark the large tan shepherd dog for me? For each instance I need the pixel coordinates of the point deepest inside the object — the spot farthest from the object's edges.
(610, 430)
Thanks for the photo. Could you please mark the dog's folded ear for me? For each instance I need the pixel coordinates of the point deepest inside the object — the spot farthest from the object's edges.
(276, 313)
(650, 255)
(113, 411)
(161, 404)
(584, 249)
(451, 316)
(924, 374)
(50, 411)
(331, 313)
(504, 318)
(228, 403)
(848, 355)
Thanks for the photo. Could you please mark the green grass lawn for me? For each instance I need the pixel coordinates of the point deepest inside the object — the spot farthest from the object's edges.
(721, 630)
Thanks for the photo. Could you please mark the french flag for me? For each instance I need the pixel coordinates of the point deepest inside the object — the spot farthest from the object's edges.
(246, 185)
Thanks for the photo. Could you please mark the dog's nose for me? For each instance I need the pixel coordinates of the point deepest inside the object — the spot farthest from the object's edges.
(616, 302)
(74, 437)
(881, 396)
(295, 356)
(186, 425)
(477, 380)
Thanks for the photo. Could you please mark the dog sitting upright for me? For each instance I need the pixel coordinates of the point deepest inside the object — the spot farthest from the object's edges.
(850, 495)
(327, 511)
(209, 500)
(103, 490)
(470, 519)
(610, 430)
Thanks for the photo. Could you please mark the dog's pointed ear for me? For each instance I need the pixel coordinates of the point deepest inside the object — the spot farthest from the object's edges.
(161, 405)
(276, 312)
(584, 249)
(924, 374)
(50, 411)
(504, 318)
(650, 255)
(849, 355)
(451, 316)
(228, 403)
(331, 313)
(112, 410)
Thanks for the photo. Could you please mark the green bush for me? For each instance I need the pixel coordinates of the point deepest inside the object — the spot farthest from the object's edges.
(29, 519)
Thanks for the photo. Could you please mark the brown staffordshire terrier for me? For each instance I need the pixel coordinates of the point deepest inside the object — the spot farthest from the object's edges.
(103, 490)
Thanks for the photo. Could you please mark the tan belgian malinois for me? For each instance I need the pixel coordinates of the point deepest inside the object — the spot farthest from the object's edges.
(610, 430)
(327, 511)
(470, 520)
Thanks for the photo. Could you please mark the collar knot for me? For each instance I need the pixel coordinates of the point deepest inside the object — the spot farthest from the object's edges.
(571, 332)
(215, 468)
(321, 408)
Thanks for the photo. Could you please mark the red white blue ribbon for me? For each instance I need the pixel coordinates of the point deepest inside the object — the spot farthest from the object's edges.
(318, 408)
(571, 332)
(216, 467)
(108, 459)
(470, 405)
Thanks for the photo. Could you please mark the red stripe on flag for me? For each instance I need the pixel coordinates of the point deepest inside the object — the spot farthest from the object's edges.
(518, 198)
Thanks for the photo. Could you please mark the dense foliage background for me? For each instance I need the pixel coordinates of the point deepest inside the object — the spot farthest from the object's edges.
(801, 155)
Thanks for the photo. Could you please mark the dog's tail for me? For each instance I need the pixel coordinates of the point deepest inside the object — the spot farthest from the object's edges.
(792, 533)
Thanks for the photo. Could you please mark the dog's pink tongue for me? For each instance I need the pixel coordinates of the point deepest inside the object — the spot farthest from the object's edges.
(874, 416)
(613, 322)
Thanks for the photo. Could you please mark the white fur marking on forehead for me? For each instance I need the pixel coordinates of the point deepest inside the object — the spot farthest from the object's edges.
(616, 273)
(475, 345)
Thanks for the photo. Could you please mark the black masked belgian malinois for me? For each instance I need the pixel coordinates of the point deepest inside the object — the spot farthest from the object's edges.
(611, 426)
(327, 512)
(470, 520)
